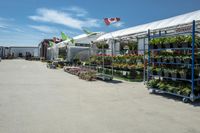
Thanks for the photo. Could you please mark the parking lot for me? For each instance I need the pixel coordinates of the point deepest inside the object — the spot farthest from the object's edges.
(34, 99)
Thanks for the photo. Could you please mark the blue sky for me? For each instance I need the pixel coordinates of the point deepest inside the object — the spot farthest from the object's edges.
(27, 22)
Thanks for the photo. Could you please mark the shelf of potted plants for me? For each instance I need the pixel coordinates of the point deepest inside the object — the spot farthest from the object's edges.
(173, 61)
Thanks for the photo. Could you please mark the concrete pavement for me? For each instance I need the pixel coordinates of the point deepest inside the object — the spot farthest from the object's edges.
(34, 99)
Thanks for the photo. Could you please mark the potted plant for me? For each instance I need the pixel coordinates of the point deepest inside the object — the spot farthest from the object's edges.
(167, 43)
(102, 45)
(152, 44)
(158, 71)
(197, 58)
(159, 43)
(178, 59)
(153, 59)
(166, 73)
(197, 41)
(164, 58)
(174, 73)
(187, 41)
(187, 59)
(162, 86)
(169, 87)
(182, 74)
(154, 72)
(186, 90)
(159, 58)
(170, 59)
(153, 83)
(174, 42)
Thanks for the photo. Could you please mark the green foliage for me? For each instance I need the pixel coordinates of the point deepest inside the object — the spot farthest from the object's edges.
(102, 45)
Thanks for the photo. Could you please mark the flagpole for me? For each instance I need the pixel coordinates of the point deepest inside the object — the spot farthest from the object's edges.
(112, 42)
(108, 21)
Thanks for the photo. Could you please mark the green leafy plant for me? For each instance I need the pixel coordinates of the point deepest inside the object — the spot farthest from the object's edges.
(186, 90)
(187, 59)
(183, 73)
(153, 83)
(102, 45)
(162, 86)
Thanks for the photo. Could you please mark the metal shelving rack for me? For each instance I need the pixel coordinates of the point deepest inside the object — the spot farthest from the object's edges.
(101, 52)
(192, 65)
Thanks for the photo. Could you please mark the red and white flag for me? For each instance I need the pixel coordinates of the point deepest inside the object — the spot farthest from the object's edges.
(109, 21)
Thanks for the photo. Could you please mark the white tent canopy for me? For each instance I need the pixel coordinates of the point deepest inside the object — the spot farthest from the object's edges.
(173, 21)
(84, 38)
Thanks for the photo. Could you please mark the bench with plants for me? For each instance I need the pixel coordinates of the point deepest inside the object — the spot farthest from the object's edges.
(179, 88)
(82, 73)
(124, 66)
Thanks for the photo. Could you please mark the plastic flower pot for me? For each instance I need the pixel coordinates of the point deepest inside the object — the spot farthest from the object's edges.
(197, 60)
(171, 60)
(159, 46)
(159, 73)
(178, 60)
(183, 75)
(187, 60)
(175, 45)
(153, 59)
(174, 74)
(151, 46)
(166, 73)
(165, 60)
(167, 45)
(159, 59)
(184, 45)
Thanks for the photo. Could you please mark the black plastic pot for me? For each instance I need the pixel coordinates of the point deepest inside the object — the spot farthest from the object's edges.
(166, 74)
(184, 45)
(153, 59)
(175, 45)
(188, 61)
(159, 59)
(165, 60)
(151, 46)
(183, 75)
(174, 75)
(178, 60)
(171, 60)
(168, 45)
(159, 46)
(159, 73)
(197, 61)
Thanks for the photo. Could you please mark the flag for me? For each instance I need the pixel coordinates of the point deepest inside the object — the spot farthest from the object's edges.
(72, 40)
(89, 32)
(64, 36)
(51, 43)
(109, 21)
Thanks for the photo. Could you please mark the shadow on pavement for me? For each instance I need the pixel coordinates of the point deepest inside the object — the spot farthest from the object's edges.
(196, 103)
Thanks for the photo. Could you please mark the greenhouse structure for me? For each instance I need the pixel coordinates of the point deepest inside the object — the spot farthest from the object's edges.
(71, 48)
(144, 53)
(183, 31)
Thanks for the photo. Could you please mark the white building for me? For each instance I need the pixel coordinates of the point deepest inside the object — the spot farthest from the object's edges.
(19, 51)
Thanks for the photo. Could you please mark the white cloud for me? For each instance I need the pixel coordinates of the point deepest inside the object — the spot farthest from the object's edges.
(79, 12)
(4, 23)
(63, 18)
(2, 26)
(45, 29)
(118, 24)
